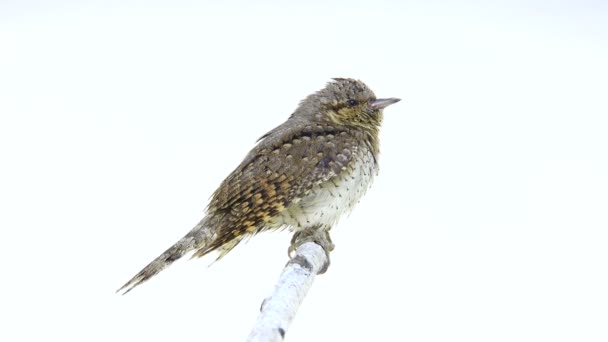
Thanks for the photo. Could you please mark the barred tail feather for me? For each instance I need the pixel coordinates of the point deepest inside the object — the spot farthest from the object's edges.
(198, 236)
(174, 252)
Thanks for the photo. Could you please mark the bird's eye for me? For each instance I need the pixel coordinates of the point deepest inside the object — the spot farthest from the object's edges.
(352, 103)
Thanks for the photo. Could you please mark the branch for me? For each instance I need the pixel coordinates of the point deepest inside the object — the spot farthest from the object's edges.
(280, 308)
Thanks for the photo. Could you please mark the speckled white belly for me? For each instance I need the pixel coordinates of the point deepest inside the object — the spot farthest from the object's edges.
(329, 201)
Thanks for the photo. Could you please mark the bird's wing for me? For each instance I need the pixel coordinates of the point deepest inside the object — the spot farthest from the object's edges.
(283, 167)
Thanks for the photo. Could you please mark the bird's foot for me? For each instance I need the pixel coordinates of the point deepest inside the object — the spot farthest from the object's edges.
(317, 235)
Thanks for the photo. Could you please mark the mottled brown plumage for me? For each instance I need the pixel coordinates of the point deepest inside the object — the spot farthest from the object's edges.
(304, 174)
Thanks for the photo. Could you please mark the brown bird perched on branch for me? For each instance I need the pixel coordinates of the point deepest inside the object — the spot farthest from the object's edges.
(304, 175)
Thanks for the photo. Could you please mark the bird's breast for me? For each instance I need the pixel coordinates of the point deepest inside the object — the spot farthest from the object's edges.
(328, 201)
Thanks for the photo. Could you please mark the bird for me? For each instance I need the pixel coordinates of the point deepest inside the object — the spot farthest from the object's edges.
(302, 175)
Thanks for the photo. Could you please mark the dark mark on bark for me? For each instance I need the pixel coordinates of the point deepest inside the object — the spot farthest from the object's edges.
(263, 303)
(300, 260)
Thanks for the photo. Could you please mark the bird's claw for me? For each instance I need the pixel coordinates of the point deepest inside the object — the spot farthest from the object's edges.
(319, 236)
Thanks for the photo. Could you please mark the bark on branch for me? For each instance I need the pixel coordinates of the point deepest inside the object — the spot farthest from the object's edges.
(280, 308)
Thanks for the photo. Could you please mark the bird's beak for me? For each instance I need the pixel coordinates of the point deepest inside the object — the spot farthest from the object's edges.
(382, 103)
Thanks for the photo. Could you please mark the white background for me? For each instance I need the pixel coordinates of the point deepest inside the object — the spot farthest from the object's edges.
(488, 221)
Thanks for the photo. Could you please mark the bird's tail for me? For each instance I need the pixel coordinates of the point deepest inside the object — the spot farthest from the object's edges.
(199, 235)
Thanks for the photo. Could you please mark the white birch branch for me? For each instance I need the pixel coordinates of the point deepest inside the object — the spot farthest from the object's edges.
(280, 308)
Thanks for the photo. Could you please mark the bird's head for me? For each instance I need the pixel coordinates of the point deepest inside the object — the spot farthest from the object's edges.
(345, 101)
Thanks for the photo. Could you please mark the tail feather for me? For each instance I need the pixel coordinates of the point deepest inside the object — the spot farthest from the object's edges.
(181, 247)
(203, 238)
